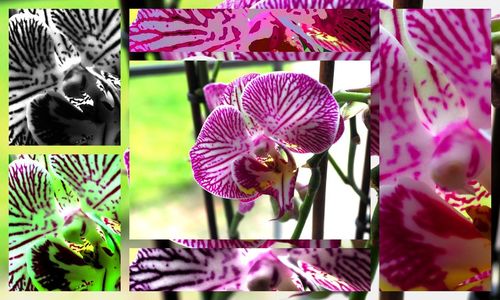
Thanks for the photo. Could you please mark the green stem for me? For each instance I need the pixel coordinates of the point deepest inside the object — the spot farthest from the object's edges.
(495, 37)
(345, 96)
(344, 177)
(233, 228)
(374, 251)
(314, 184)
(215, 71)
(221, 295)
(353, 143)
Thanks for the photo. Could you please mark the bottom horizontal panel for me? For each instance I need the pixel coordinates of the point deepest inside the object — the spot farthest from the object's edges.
(250, 269)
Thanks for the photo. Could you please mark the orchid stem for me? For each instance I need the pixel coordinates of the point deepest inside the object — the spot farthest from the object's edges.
(352, 149)
(344, 97)
(343, 176)
(228, 211)
(215, 71)
(314, 184)
(233, 228)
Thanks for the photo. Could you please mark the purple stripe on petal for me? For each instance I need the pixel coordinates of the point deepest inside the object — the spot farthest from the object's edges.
(295, 109)
(126, 160)
(265, 4)
(182, 30)
(406, 142)
(222, 140)
(234, 90)
(214, 94)
(32, 216)
(95, 178)
(223, 244)
(188, 269)
(457, 42)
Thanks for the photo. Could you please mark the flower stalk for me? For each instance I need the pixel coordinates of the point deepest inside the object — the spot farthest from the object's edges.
(193, 85)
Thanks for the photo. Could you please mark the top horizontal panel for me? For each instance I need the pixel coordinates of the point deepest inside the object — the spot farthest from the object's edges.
(251, 30)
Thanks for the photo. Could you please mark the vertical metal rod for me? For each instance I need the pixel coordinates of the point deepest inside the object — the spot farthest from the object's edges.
(364, 201)
(326, 73)
(193, 86)
(391, 296)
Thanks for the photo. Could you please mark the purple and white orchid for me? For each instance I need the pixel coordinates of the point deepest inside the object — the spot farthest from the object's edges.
(245, 147)
(223, 267)
(435, 119)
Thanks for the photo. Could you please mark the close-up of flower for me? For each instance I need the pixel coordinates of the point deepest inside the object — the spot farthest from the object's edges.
(222, 266)
(245, 147)
(64, 77)
(254, 30)
(435, 174)
(64, 224)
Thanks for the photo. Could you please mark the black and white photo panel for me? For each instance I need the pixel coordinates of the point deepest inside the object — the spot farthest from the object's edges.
(64, 77)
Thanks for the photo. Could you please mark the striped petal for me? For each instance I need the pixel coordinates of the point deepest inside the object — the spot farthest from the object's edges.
(264, 4)
(424, 242)
(405, 150)
(34, 66)
(94, 32)
(176, 30)
(332, 269)
(32, 216)
(222, 139)
(457, 42)
(53, 265)
(224, 244)
(438, 100)
(293, 108)
(461, 202)
(214, 94)
(276, 179)
(53, 120)
(172, 269)
(234, 90)
(95, 178)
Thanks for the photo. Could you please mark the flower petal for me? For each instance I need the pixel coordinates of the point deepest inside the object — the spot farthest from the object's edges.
(222, 139)
(224, 244)
(172, 269)
(52, 120)
(32, 216)
(253, 176)
(437, 98)
(177, 30)
(234, 90)
(96, 179)
(333, 269)
(422, 235)
(33, 68)
(126, 160)
(283, 4)
(406, 141)
(458, 43)
(214, 94)
(293, 108)
(94, 32)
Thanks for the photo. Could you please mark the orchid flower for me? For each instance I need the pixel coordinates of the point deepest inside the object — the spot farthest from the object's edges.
(64, 70)
(222, 267)
(245, 147)
(435, 118)
(64, 229)
(316, 30)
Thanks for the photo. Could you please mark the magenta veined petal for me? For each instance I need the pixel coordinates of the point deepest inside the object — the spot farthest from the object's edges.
(171, 269)
(234, 90)
(95, 178)
(224, 244)
(214, 94)
(32, 216)
(179, 30)
(264, 4)
(222, 140)
(405, 150)
(445, 37)
(422, 235)
(126, 160)
(295, 109)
